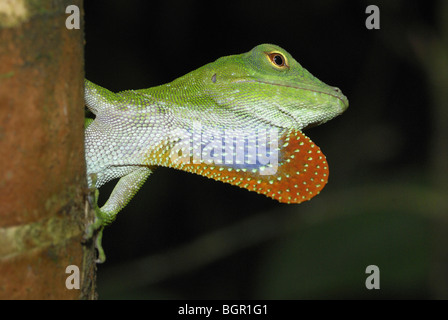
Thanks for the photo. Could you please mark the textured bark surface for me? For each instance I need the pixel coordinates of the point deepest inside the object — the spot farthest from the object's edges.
(42, 170)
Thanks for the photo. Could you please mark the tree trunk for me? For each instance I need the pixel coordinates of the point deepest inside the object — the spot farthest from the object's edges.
(43, 211)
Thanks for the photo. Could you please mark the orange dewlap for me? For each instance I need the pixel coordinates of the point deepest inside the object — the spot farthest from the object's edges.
(301, 174)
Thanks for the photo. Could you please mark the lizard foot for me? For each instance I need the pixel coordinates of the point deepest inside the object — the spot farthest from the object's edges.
(97, 227)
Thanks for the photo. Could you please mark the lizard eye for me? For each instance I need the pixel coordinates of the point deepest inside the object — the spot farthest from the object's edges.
(278, 60)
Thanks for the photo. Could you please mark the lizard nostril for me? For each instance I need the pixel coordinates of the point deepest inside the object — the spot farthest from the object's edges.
(336, 89)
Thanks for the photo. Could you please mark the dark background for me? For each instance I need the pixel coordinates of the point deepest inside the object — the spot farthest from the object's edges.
(188, 237)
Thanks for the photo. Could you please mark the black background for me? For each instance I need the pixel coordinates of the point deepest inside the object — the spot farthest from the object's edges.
(188, 237)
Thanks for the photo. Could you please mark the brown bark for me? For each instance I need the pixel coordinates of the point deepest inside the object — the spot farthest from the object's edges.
(42, 166)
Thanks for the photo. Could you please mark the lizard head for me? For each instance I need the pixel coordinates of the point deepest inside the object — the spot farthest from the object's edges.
(267, 83)
(221, 110)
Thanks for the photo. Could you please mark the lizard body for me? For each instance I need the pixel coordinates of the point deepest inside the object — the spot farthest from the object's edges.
(238, 120)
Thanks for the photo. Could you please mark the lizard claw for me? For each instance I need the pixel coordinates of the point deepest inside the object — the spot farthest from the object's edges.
(97, 226)
(101, 255)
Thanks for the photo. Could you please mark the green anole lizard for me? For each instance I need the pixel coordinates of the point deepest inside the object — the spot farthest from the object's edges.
(236, 120)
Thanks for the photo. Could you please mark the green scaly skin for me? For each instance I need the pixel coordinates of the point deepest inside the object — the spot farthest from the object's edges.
(265, 88)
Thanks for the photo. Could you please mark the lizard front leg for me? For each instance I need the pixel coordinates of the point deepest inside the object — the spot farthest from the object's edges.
(123, 192)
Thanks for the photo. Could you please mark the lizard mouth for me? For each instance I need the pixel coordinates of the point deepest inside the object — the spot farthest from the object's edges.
(332, 91)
